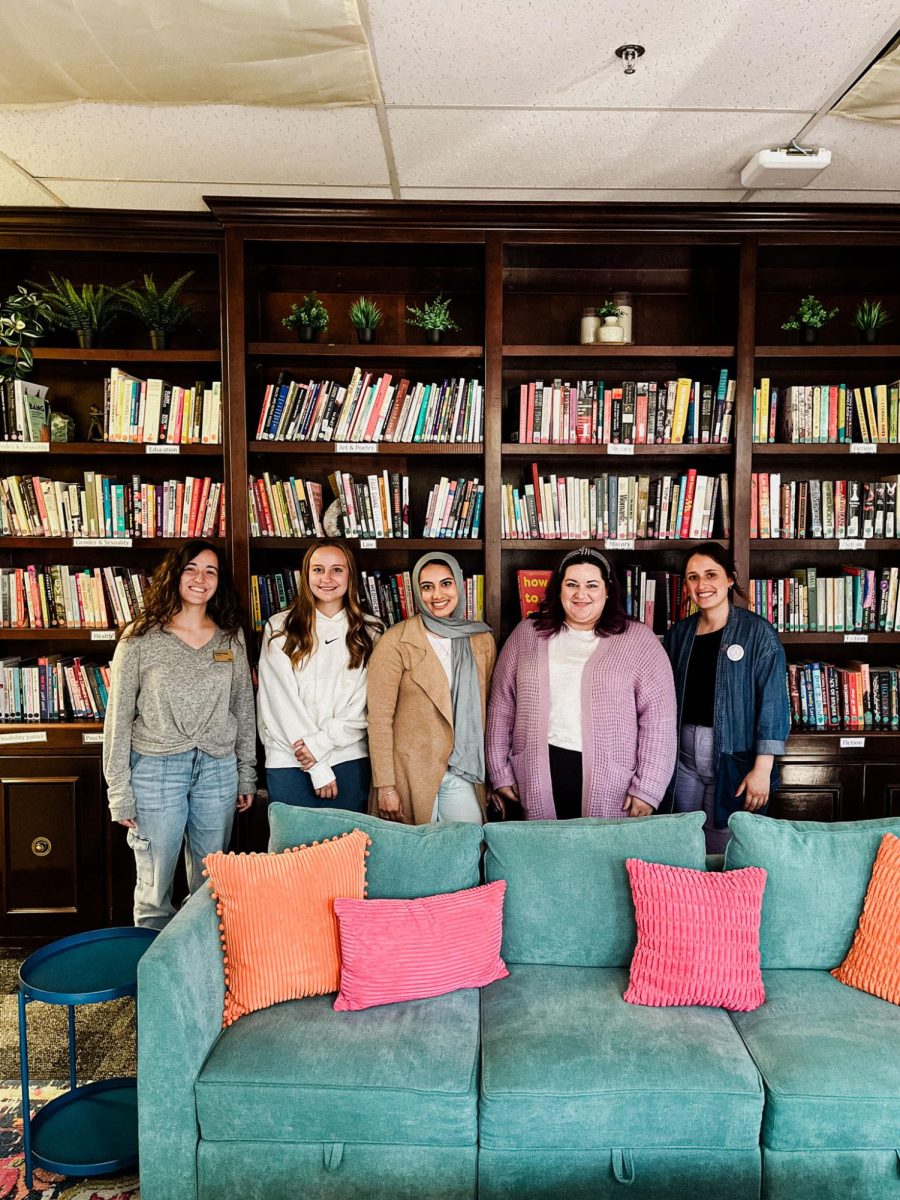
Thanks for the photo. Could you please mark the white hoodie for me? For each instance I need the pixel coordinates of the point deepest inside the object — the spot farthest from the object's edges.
(323, 701)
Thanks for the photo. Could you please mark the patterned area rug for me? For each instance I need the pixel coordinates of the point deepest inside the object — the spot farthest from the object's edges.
(46, 1186)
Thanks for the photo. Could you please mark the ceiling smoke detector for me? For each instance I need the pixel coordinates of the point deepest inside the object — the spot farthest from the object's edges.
(629, 54)
(788, 167)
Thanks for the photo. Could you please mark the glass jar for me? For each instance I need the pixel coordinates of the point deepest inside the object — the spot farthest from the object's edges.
(590, 323)
(623, 299)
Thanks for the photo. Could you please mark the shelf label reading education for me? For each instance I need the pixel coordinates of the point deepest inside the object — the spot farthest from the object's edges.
(92, 543)
(863, 447)
(619, 544)
(356, 448)
(623, 449)
(103, 635)
(15, 739)
(851, 544)
(368, 544)
(92, 739)
(856, 637)
(162, 448)
(25, 447)
(853, 743)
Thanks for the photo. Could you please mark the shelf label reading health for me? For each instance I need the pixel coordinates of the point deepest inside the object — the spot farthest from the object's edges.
(863, 447)
(853, 743)
(356, 448)
(103, 635)
(856, 637)
(623, 449)
(851, 544)
(25, 447)
(15, 739)
(162, 448)
(90, 543)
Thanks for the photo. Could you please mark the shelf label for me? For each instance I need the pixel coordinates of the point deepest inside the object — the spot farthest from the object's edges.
(162, 448)
(25, 447)
(15, 739)
(856, 637)
(103, 635)
(863, 447)
(853, 743)
(619, 544)
(90, 543)
(623, 449)
(356, 447)
(368, 544)
(92, 739)
(851, 544)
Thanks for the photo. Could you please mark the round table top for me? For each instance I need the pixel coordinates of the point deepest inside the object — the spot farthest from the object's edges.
(86, 968)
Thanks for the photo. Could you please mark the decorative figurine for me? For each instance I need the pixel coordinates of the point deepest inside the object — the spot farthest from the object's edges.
(62, 427)
(331, 521)
(95, 429)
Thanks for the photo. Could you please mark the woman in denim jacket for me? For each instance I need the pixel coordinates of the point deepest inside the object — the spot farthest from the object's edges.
(733, 708)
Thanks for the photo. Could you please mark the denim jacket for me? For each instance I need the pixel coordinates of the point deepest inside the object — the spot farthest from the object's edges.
(752, 710)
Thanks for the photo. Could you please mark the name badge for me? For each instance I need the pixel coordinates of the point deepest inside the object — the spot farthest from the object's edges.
(223, 656)
(735, 652)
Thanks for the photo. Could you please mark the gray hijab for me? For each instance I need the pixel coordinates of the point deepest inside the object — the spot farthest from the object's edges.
(467, 756)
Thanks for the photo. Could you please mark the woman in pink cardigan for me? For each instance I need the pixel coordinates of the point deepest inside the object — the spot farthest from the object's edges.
(581, 721)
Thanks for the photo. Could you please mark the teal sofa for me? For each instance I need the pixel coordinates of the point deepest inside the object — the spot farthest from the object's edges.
(546, 1084)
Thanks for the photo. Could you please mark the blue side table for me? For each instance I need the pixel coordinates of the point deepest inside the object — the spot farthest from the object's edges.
(90, 1130)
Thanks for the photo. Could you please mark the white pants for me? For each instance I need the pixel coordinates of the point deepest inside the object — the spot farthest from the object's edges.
(456, 801)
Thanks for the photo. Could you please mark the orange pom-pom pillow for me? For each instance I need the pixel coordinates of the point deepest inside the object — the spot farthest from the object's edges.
(277, 923)
(873, 960)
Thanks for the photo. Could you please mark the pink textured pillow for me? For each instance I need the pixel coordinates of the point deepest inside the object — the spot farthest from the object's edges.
(698, 936)
(394, 950)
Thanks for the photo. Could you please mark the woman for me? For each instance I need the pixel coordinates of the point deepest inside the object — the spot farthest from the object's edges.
(428, 685)
(179, 741)
(312, 687)
(582, 715)
(733, 709)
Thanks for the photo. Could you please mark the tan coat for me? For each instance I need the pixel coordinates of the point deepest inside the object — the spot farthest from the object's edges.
(411, 718)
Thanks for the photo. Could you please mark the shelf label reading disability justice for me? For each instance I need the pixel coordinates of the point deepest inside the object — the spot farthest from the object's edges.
(15, 739)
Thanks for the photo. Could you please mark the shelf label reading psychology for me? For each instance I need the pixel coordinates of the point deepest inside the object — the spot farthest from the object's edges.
(863, 447)
(851, 544)
(90, 543)
(623, 449)
(162, 448)
(853, 743)
(356, 447)
(92, 739)
(856, 637)
(15, 739)
(619, 544)
(368, 544)
(103, 635)
(25, 447)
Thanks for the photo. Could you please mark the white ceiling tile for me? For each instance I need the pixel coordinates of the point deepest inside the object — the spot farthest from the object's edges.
(819, 196)
(543, 148)
(864, 154)
(585, 196)
(172, 143)
(17, 188)
(106, 193)
(708, 54)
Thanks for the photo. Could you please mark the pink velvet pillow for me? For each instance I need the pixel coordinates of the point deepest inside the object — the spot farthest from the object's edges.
(698, 936)
(394, 950)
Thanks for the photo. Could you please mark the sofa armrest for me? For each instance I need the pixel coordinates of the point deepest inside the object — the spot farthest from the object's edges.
(181, 992)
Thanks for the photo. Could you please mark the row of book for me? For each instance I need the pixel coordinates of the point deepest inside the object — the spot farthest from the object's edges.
(858, 600)
(826, 413)
(376, 507)
(23, 411)
(388, 595)
(655, 597)
(155, 411)
(372, 408)
(454, 509)
(52, 596)
(822, 508)
(107, 507)
(610, 506)
(52, 688)
(853, 697)
(591, 412)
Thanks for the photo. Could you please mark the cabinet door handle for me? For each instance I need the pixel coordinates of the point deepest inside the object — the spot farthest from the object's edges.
(41, 846)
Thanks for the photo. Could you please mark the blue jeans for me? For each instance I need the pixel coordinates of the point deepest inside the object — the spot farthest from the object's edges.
(174, 794)
(456, 801)
(292, 785)
(695, 783)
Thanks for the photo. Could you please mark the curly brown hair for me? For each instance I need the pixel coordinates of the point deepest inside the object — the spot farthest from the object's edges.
(162, 600)
(299, 631)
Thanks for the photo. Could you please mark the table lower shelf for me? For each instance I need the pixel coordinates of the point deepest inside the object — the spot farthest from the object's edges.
(89, 1131)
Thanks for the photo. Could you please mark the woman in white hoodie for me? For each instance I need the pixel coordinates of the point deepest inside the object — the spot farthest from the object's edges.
(312, 687)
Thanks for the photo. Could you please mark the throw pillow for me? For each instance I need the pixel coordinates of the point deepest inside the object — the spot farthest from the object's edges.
(698, 936)
(394, 950)
(276, 912)
(873, 961)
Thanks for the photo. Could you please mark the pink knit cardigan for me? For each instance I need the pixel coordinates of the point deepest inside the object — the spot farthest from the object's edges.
(628, 721)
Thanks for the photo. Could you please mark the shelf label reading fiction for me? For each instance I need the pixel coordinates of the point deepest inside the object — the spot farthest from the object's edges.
(162, 448)
(625, 449)
(368, 544)
(82, 543)
(863, 447)
(14, 739)
(356, 447)
(851, 544)
(92, 739)
(619, 544)
(853, 743)
(25, 447)
(856, 637)
(103, 635)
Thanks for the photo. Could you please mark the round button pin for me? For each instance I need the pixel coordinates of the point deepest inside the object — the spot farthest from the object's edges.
(735, 652)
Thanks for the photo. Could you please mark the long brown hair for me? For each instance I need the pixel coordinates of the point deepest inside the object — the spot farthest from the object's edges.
(299, 630)
(162, 600)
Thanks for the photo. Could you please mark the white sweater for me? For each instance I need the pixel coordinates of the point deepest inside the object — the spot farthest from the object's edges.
(323, 701)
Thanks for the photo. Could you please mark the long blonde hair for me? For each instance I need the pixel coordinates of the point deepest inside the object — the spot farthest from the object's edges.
(299, 630)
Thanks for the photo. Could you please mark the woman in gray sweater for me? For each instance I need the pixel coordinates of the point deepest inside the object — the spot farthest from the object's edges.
(179, 742)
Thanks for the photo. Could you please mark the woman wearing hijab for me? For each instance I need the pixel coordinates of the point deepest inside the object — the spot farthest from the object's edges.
(427, 693)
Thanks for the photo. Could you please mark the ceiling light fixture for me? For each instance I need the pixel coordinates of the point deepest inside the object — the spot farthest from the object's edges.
(629, 54)
(790, 166)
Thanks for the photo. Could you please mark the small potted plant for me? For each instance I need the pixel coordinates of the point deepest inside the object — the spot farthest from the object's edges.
(809, 318)
(161, 312)
(365, 316)
(309, 317)
(23, 317)
(869, 318)
(434, 317)
(610, 331)
(87, 311)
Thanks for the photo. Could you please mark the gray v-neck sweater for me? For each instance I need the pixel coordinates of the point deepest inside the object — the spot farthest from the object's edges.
(165, 697)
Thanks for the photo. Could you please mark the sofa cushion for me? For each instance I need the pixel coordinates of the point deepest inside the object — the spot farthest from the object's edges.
(405, 861)
(818, 875)
(401, 1074)
(830, 1060)
(568, 902)
(567, 1064)
(873, 963)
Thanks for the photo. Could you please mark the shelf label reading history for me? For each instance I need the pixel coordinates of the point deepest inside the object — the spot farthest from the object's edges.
(25, 447)
(162, 448)
(122, 543)
(356, 448)
(851, 544)
(855, 743)
(15, 739)
(615, 448)
(92, 739)
(856, 637)
(368, 544)
(103, 635)
(619, 544)
(863, 447)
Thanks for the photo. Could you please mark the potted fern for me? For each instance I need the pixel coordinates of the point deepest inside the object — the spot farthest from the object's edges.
(365, 317)
(161, 312)
(23, 316)
(309, 317)
(434, 317)
(87, 311)
(870, 317)
(610, 330)
(809, 318)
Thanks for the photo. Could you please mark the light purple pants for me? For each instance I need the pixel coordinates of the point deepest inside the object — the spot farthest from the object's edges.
(695, 782)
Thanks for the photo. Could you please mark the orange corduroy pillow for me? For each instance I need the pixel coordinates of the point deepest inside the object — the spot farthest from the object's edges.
(280, 937)
(873, 960)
